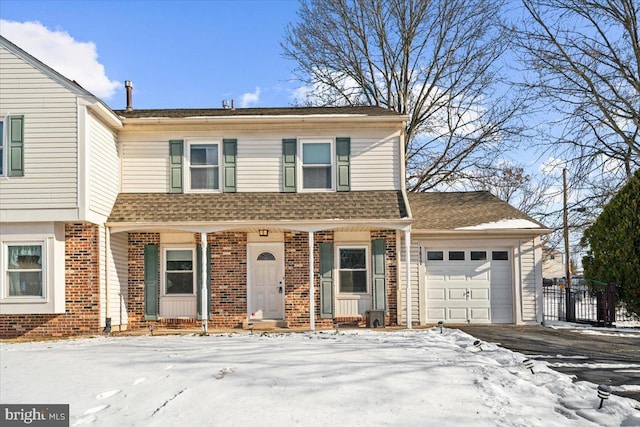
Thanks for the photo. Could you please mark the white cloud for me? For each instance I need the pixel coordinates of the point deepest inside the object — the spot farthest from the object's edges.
(552, 166)
(73, 59)
(250, 98)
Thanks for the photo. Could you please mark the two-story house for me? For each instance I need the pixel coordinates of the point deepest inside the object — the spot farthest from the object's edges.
(223, 217)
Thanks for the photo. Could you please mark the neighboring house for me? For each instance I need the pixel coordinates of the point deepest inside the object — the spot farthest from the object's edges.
(552, 263)
(288, 216)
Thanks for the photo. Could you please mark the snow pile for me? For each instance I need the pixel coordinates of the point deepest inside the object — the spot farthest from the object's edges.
(353, 378)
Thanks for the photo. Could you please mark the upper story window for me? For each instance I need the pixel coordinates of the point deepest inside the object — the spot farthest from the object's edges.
(24, 269)
(317, 166)
(204, 166)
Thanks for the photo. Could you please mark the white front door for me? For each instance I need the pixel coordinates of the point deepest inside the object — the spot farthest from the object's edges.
(266, 281)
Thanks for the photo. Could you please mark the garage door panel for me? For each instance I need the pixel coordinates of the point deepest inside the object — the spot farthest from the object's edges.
(457, 314)
(479, 294)
(457, 294)
(437, 313)
(437, 294)
(479, 313)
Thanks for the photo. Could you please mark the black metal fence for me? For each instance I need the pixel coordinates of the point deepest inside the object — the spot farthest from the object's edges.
(583, 303)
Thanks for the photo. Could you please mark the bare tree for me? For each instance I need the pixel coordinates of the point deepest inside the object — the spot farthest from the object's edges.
(582, 60)
(436, 61)
(510, 182)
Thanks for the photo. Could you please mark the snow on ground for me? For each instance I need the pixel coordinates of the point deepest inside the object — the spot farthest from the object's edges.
(354, 378)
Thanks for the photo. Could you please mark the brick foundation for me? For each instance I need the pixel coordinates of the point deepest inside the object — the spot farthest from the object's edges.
(82, 293)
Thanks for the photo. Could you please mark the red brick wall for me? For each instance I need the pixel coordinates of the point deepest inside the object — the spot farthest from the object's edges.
(135, 305)
(391, 260)
(228, 278)
(82, 292)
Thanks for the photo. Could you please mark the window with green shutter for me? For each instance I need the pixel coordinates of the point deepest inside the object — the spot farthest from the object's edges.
(289, 149)
(176, 154)
(326, 280)
(14, 146)
(151, 281)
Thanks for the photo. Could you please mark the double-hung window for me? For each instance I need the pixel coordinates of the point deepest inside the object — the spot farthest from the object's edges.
(179, 271)
(317, 169)
(352, 270)
(204, 166)
(24, 269)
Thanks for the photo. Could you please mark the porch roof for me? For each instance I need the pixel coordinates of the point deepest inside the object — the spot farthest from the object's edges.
(157, 208)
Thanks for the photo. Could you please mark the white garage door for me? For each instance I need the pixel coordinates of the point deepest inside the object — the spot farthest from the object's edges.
(469, 285)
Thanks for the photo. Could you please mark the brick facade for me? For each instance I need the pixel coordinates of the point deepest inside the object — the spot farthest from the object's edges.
(82, 292)
(228, 279)
(228, 283)
(135, 305)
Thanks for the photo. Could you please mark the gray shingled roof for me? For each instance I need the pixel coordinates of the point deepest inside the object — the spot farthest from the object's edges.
(452, 210)
(228, 112)
(181, 208)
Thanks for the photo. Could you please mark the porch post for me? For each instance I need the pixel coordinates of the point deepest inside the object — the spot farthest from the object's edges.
(407, 266)
(312, 311)
(205, 296)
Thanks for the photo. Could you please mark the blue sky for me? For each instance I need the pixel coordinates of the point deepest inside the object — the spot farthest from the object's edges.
(179, 54)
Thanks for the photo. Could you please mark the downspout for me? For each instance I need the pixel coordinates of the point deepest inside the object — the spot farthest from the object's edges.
(107, 312)
(203, 291)
(312, 308)
(407, 249)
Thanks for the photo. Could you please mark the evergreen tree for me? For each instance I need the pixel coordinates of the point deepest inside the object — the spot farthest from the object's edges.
(613, 243)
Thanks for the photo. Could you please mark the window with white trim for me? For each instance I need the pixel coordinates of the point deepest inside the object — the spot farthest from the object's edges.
(24, 270)
(179, 274)
(204, 166)
(317, 165)
(353, 274)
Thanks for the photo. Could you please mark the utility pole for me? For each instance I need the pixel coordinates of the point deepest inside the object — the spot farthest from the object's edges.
(569, 300)
(565, 215)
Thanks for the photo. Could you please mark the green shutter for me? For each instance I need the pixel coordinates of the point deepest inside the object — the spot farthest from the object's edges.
(326, 280)
(176, 154)
(378, 247)
(15, 146)
(289, 165)
(343, 164)
(151, 281)
(207, 279)
(229, 155)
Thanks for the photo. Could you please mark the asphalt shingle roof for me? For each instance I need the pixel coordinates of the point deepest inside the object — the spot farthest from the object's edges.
(451, 210)
(228, 112)
(177, 208)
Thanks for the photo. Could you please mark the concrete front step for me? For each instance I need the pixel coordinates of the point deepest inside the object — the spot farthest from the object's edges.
(264, 325)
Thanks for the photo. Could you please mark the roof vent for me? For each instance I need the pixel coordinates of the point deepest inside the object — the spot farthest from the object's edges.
(225, 104)
(129, 86)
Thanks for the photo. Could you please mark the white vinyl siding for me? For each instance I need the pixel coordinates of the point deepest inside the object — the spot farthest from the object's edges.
(50, 134)
(416, 274)
(118, 279)
(145, 166)
(104, 167)
(374, 158)
(528, 278)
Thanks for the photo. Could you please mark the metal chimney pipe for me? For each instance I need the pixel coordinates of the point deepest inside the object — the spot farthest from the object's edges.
(128, 86)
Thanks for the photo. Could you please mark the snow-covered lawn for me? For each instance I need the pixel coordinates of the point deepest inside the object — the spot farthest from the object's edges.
(354, 378)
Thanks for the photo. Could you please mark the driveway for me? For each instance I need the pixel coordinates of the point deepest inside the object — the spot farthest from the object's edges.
(600, 356)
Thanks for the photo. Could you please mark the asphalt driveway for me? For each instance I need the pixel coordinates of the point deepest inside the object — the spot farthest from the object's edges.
(598, 356)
